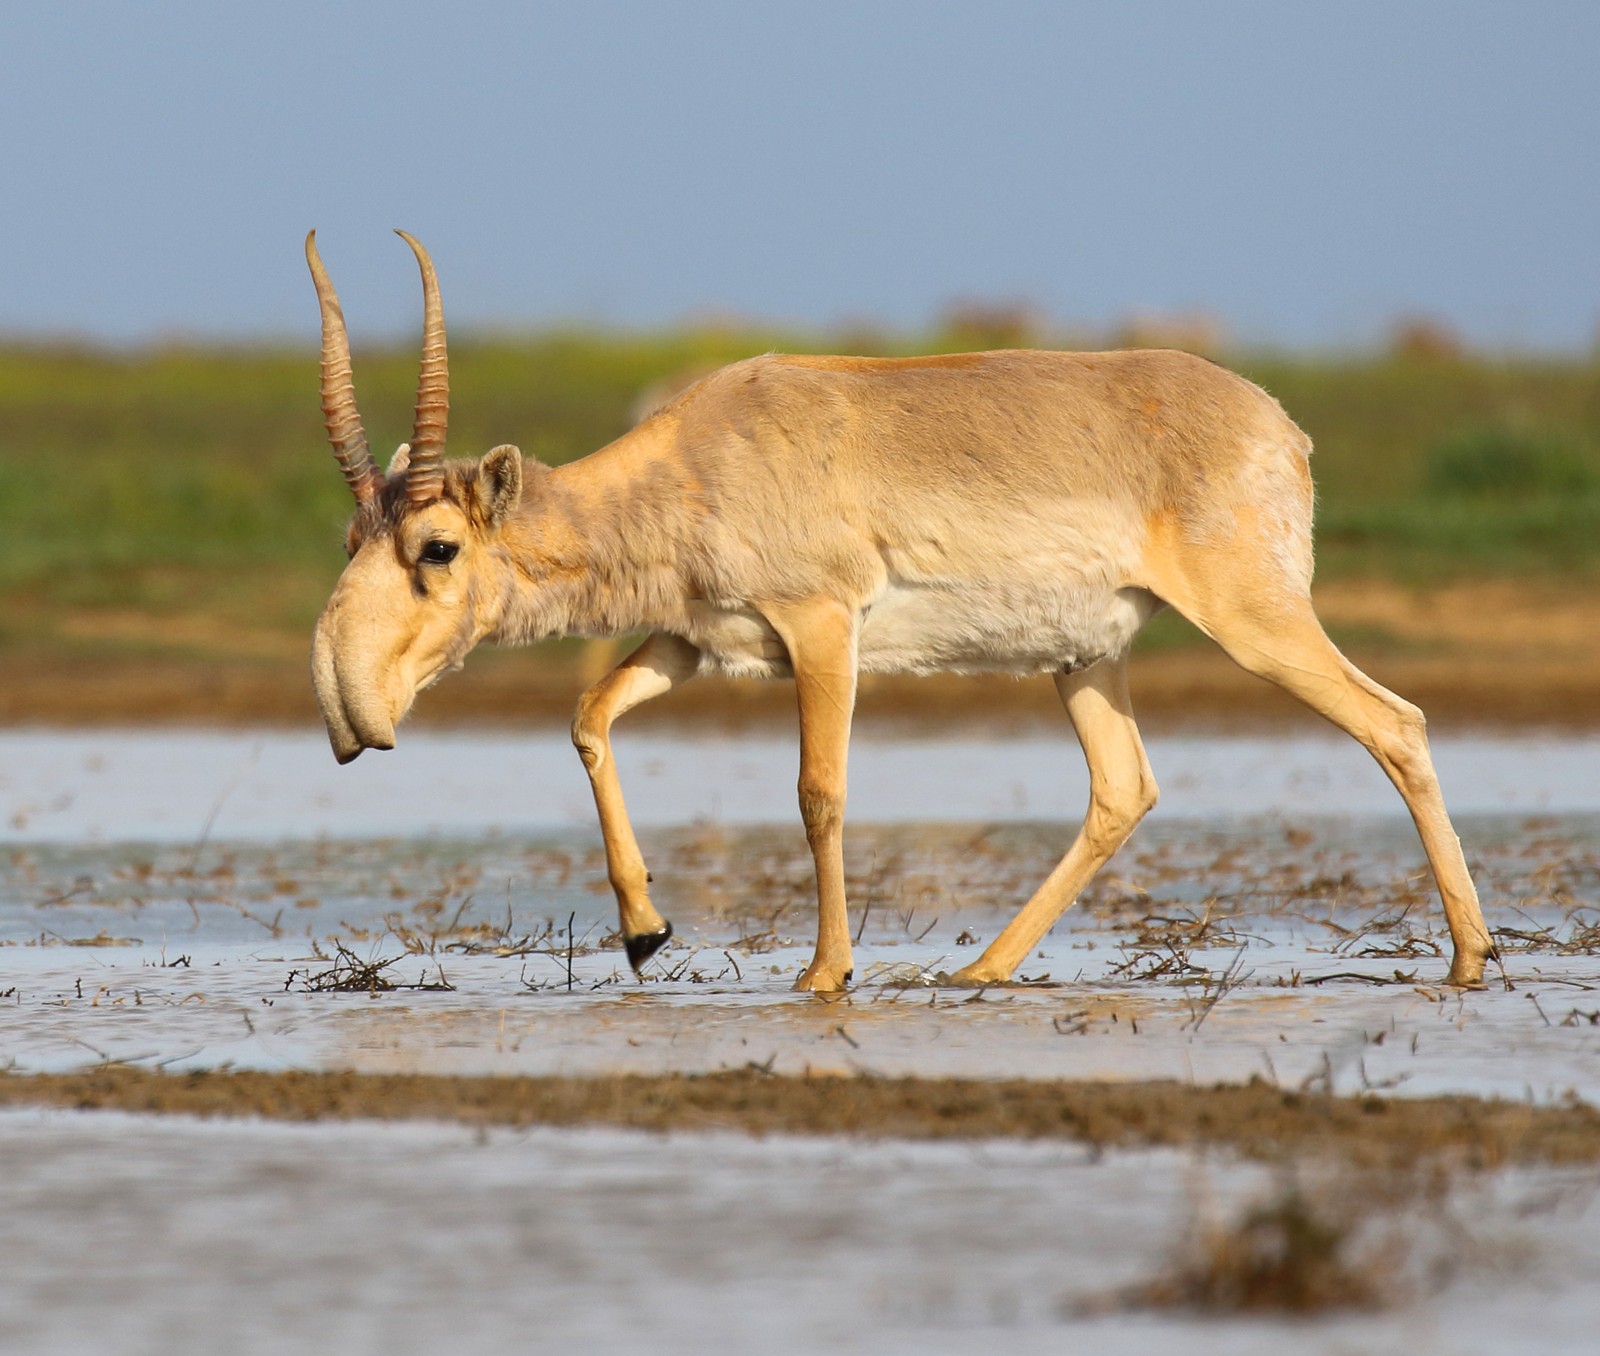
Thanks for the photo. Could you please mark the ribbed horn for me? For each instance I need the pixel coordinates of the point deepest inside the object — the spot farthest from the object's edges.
(339, 410)
(425, 476)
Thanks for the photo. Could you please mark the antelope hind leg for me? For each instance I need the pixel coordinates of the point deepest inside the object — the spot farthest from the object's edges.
(1280, 638)
(656, 667)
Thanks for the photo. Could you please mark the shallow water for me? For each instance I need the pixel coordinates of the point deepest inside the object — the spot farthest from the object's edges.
(180, 786)
(199, 900)
(142, 1235)
(189, 910)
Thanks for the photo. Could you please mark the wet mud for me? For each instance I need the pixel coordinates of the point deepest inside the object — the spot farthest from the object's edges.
(1254, 1120)
(1188, 689)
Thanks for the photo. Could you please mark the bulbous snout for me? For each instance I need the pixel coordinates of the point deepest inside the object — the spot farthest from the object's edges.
(349, 691)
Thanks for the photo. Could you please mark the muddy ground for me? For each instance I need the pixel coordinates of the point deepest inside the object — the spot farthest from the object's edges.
(1194, 688)
(1254, 1120)
(1489, 654)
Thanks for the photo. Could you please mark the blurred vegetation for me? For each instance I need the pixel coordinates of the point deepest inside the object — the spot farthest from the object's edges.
(1429, 468)
(183, 499)
(1501, 462)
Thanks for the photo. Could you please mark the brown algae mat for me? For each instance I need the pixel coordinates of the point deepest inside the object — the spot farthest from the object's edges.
(1256, 1120)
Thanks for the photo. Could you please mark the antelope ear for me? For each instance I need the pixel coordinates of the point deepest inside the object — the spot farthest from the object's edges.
(400, 460)
(499, 485)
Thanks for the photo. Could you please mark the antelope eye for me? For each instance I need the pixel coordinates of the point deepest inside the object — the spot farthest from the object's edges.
(439, 552)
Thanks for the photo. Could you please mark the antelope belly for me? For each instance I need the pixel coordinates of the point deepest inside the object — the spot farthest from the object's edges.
(931, 629)
(923, 629)
(736, 642)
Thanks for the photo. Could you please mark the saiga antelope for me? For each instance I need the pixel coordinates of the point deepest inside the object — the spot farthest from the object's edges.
(818, 518)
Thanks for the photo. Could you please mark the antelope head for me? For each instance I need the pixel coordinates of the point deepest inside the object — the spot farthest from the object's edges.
(420, 589)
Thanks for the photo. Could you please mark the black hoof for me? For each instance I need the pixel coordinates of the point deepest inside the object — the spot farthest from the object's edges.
(646, 944)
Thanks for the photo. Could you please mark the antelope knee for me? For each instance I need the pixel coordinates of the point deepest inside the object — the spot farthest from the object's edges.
(1115, 811)
(590, 736)
(1405, 748)
(1413, 727)
(821, 808)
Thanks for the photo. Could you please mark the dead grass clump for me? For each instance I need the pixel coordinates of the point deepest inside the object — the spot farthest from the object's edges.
(1350, 1241)
(1286, 1254)
(1581, 938)
(1171, 962)
(349, 973)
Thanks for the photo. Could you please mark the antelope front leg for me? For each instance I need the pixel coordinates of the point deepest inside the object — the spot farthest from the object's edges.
(1121, 790)
(657, 666)
(821, 639)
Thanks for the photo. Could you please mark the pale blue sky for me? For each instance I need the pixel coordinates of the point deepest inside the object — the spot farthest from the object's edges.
(1307, 171)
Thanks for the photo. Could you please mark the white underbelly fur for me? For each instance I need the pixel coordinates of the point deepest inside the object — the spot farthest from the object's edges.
(933, 630)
